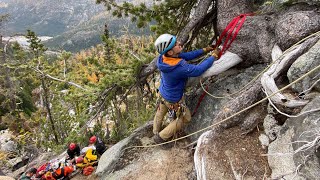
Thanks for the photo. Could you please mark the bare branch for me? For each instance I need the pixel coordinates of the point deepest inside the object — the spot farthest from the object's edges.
(147, 70)
(57, 79)
(281, 65)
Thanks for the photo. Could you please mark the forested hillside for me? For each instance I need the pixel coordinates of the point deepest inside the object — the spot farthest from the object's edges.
(48, 101)
(255, 112)
(74, 25)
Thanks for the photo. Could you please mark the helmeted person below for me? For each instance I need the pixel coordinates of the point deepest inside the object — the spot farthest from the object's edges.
(175, 72)
(73, 151)
(98, 143)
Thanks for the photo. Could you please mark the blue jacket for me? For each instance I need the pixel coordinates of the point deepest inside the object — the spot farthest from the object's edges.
(174, 77)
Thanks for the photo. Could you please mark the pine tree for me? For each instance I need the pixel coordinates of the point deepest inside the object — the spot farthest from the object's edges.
(169, 16)
(108, 45)
(37, 49)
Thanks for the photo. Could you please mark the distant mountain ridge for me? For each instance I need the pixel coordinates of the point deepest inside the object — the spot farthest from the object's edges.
(48, 17)
(73, 24)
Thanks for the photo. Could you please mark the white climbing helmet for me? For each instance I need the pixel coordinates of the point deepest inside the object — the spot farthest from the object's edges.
(164, 43)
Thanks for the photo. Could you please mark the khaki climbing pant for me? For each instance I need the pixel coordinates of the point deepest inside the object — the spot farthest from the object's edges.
(183, 116)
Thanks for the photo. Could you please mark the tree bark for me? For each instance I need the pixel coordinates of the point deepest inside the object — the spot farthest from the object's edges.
(147, 70)
(198, 17)
(249, 96)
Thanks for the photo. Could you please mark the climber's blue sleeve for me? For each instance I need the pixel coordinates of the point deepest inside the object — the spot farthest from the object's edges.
(191, 55)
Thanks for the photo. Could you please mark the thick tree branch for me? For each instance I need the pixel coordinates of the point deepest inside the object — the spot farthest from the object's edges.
(199, 14)
(208, 19)
(147, 70)
(281, 65)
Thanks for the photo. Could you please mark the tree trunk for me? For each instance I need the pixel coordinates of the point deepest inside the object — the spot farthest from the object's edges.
(249, 96)
(198, 17)
(47, 104)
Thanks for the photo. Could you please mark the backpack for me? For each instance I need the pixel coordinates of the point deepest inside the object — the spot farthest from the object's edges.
(43, 167)
(100, 146)
(87, 170)
(90, 156)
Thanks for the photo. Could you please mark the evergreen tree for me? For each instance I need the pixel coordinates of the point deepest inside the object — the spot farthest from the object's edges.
(169, 16)
(37, 49)
(108, 45)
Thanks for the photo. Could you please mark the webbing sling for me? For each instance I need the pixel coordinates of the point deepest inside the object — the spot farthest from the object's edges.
(229, 30)
(226, 45)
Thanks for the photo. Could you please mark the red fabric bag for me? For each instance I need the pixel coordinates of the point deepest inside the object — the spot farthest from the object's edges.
(87, 170)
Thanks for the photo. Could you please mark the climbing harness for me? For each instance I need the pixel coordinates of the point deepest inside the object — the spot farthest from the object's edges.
(175, 110)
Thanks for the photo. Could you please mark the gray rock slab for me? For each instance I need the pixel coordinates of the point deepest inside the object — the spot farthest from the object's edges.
(306, 130)
(109, 159)
(294, 26)
(209, 106)
(302, 65)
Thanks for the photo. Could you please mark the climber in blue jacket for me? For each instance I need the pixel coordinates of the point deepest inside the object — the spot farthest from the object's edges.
(175, 71)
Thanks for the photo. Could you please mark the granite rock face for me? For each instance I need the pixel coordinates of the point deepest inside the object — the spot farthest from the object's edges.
(296, 146)
(302, 65)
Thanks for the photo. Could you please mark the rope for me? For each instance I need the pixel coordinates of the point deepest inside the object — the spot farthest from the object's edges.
(263, 71)
(237, 113)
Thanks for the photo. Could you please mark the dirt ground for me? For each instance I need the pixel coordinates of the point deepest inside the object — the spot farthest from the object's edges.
(242, 152)
(157, 163)
(234, 154)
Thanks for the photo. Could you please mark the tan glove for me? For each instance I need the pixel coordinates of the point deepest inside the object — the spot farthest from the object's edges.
(215, 53)
(207, 49)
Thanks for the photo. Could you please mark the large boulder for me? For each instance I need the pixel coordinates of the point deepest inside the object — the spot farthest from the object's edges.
(294, 26)
(305, 140)
(280, 157)
(229, 83)
(156, 163)
(110, 158)
(285, 27)
(9, 146)
(255, 32)
(5, 136)
(302, 65)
